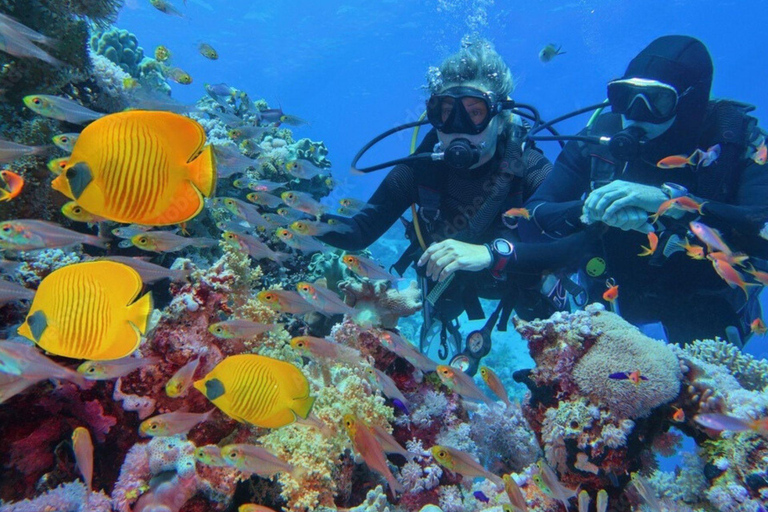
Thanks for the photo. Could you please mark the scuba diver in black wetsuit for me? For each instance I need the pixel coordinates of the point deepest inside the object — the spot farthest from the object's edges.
(480, 168)
(662, 107)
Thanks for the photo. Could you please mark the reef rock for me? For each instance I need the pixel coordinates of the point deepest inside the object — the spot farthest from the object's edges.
(384, 304)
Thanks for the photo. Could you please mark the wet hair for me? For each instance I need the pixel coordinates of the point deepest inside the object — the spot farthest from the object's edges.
(478, 65)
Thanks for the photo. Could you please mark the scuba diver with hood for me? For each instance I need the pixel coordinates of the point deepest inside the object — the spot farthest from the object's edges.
(675, 183)
(470, 169)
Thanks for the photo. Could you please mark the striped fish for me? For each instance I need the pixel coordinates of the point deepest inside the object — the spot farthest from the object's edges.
(144, 167)
(87, 311)
(259, 390)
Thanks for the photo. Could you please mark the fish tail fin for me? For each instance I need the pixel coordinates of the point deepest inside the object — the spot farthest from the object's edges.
(139, 311)
(205, 242)
(96, 241)
(646, 251)
(202, 172)
(303, 406)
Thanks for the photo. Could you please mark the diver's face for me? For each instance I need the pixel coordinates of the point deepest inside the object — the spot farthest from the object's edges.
(485, 140)
(652, 130)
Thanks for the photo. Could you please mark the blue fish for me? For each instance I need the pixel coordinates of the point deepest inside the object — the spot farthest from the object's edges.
(481, 496)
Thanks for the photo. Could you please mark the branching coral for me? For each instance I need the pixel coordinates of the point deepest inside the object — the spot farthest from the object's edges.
(751, 373)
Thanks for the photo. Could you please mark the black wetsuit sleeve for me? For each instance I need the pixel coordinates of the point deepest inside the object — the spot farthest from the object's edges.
(396, 193)
(564, 253)
(747, 217)
(556, 205)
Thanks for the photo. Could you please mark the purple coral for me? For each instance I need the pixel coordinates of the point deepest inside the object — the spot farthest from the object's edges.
(71, 497)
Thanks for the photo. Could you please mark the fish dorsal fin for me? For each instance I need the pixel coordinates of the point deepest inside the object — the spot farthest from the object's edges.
(38, 323)
(214, 388)
(79, 177)
(186, 136)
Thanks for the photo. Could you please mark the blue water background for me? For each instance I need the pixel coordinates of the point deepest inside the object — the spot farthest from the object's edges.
(357, 68)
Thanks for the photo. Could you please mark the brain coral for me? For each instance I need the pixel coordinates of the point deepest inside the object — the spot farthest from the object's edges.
(621, 347)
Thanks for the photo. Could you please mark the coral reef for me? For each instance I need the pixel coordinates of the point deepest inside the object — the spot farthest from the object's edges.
(122, 48)
(381, 304)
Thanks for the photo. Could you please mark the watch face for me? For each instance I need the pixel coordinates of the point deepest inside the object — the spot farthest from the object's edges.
(502, 247)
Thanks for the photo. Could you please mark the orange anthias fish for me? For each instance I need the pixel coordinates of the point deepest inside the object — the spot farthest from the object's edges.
(146, 167)
(692, 250)
(370, 450)
(612, 293)
(494, 383)
(13, 185)
(681, 203)
(518, 212)
(83, 448)
(729, 274)
(758, 327)
(634, 377)
(679, 415)
(678, 161)
(761, 154)
(653, 243)
(760, 276)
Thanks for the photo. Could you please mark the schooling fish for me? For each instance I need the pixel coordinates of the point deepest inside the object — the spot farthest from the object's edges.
(150, 272)
(62, 109)
(653, 243)
(549, 52)
(551, 484)
(407, 351)
(370, 449)
(274, 220)
(26, 361)
(166, 7)
(229, 161)
(208, 51)
(257, 460)
(239, 328)
(182, 380)
(682, 203)
(365, 267)
(65, 141)
(324, 300)
(515, 494)
(355, 205)
(494, 383)
(165, 241)
(303, 202)
(291, 215)
(710, 236)
(305, 244)
(316, 228)
(178, 75)
(255, 248)
(303, 169)
(259, 390)
(245, 211)
(518, 212)
(13, 185)
(264, 199)
(129, 231)
(285, 301)
(331, 351)
(89, 311)
(265, 185)
(107, 370)
(678, 161)
(210, 455)
(172, 423)
(10, 151)
(74, 211)
(143, 167)
(612, 291)
(57, 165)
(463, 464)
(82, 445)
(30, 235)
(162, 53)
(17, 40)
(389, 444)
(462, 384)
(11, 292)
(726, 422)
(693, 251)
(386, 385)
(729, 274)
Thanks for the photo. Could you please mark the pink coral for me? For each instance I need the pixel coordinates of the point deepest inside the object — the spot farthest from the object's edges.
(71, 497)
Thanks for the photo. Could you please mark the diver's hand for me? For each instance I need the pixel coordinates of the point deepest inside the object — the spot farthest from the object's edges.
(607, 201)
(444, 258)
(631, 218)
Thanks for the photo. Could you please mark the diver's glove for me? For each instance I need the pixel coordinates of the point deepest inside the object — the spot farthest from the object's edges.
(608, 200)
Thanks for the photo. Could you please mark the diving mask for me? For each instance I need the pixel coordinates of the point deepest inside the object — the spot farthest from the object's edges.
(462, 110)
(640, 99)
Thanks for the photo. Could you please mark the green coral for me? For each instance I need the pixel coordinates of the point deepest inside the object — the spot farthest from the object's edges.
(751, 373)
(122, 48)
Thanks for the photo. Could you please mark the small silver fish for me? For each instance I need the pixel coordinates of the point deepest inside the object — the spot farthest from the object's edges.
(305, 244)
(11, 292)
(65, 141)
(304, 169)
(10, 151)
(149, 272)
(255, 248)
(165, 241)
(107, 370)
(172, 423)
(549, 52)
(18, 40)
(30, 235)
(239, 328)
(264, 199)
(62, 109)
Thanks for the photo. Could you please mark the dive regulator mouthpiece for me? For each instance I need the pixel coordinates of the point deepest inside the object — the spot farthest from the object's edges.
(461, 154)
(625, 145)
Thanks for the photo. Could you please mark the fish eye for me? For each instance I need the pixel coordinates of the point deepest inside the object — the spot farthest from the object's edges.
(76, 209)
(143, 240)
(441, 453)
(6, 228)
(36, 101)
(64, 139)
(92, 369)
(153, 426)
(218, 329)
(233, 455)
